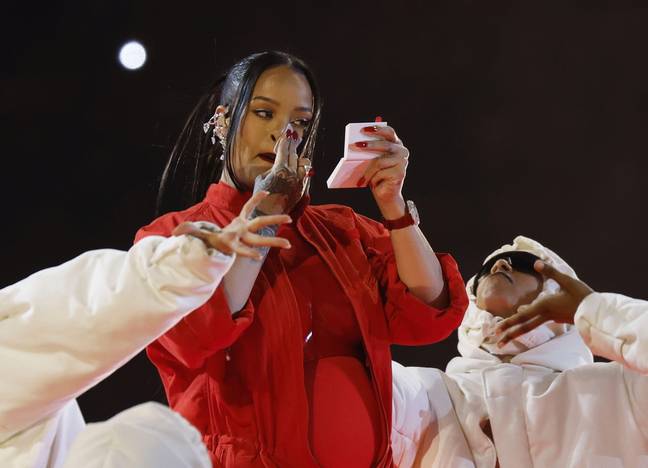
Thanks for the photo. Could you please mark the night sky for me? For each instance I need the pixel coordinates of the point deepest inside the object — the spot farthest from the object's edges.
(521, 118)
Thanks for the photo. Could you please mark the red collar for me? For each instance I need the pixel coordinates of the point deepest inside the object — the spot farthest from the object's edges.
(221, 195)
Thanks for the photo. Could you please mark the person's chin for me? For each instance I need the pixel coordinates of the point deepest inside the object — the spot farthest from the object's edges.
(495, 287)
(496, 304)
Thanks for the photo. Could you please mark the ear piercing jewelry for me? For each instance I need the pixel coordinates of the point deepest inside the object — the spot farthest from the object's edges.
(217, 121)
(211, 123)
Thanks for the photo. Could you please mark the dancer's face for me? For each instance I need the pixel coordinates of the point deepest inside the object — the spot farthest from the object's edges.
(504, 289)
(281, 96)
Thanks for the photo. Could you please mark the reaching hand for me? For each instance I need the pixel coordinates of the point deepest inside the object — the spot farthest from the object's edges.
(560, 307)
(239, 236)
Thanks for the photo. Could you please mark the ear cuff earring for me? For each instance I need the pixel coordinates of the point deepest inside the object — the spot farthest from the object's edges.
(217, 121)
(217, 126)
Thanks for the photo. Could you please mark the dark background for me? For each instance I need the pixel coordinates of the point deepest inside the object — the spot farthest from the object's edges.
(521, 117)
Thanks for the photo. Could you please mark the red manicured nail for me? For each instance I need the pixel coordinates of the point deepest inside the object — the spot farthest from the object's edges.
(311, 173)
(295, 136)
(372, 129)
(361, 182)
(361, 144)
(289, 133)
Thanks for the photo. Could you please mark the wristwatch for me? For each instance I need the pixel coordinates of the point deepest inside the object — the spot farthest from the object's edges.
(411, 217)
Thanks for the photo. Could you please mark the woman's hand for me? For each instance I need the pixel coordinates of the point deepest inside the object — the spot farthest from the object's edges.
(560, 307)
(385, 174)
(239, 236)
(287, 180)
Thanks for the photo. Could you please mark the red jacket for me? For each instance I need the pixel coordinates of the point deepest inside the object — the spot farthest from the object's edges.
(239, 379)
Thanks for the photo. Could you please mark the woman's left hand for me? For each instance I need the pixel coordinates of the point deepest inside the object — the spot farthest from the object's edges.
(386, 173)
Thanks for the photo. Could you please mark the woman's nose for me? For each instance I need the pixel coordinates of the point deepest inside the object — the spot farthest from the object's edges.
(501, 265)
(279, 129)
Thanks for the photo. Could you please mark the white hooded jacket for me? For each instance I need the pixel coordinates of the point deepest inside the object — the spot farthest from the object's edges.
(549, 406)
(64, 329)
(149, 435)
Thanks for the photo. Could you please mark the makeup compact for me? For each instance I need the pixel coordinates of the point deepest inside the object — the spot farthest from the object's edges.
(353, 163)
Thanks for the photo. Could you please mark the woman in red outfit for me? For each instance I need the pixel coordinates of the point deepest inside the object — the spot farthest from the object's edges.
(288, 365)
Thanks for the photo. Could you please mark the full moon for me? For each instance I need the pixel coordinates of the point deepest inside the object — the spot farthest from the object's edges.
(132, 55)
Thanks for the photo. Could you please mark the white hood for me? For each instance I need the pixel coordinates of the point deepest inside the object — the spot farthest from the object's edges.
(562, 347)
(146, 436)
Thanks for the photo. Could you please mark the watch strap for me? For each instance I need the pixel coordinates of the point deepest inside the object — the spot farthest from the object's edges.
(404, 221)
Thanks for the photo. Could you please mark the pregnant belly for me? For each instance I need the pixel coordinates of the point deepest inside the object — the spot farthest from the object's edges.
(344, 427)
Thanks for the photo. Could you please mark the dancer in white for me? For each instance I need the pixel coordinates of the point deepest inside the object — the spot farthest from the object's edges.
(537, 401)
(64, 329)
(614, 326)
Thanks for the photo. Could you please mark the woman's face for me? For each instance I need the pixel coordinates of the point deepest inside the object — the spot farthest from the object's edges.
(504, 289)
(281, 96)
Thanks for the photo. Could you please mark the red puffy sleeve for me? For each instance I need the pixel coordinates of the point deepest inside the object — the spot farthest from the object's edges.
(410, 320)
(210, 328)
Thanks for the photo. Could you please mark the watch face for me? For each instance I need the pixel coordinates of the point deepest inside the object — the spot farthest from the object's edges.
(411, 207)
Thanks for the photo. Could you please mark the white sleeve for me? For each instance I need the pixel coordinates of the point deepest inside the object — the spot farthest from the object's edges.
(64, 329)
(615, 327)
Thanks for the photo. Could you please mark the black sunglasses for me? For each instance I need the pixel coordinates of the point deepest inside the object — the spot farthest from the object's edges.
(519, 261)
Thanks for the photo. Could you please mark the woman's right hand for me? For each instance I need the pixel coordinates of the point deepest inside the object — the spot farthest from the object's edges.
(287, 180)
(239, 236)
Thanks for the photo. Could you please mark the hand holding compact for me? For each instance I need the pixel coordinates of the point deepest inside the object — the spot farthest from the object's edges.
(386, 173)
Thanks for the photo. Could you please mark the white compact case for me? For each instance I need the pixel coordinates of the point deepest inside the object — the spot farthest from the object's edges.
(354, 163)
